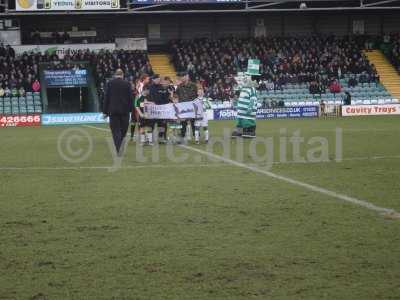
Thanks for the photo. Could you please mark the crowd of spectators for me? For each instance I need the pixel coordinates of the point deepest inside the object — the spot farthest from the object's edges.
(394, 54)
(132, 63)
(318, 61)
(20, 74)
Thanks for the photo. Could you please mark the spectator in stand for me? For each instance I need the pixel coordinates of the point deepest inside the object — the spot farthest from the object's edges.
(314, 88)
(55, 37)
(335, 87)
(36, 86)
(66, 37)
(7, 91)
(21, 91)
(352, 82)
(36, 38)
(364, 78)
(10, 51)
(3, 52)
(14, 92)
(347, 99)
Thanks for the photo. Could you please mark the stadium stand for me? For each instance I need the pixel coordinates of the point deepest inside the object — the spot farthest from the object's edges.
(20, 88)
(294, 70)
(394, 54)
(18, 83)
(133, 63)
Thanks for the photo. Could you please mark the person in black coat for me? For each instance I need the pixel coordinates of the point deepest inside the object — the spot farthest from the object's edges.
(118, 105)
(347, 99)
(159, 95)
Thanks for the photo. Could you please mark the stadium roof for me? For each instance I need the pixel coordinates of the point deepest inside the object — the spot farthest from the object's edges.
(226, 6)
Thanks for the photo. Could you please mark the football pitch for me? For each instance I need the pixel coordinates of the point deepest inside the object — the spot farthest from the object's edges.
(234, 219)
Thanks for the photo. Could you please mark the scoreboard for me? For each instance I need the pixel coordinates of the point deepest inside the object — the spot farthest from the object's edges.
(65, 78)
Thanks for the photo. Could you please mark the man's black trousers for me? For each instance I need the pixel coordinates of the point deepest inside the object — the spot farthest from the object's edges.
(119, 124)
(184, 124)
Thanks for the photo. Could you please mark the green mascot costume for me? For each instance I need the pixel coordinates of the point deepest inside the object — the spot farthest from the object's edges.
(246, 104)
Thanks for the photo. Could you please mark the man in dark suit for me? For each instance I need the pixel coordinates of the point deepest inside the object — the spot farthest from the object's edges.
(118, 105)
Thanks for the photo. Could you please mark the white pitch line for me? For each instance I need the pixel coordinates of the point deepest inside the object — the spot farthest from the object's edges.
(98, 128)
(156, 166)
(294, 162)
(339, 196)
(310, 187)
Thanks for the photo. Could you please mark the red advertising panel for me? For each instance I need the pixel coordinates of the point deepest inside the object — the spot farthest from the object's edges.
(20, 120)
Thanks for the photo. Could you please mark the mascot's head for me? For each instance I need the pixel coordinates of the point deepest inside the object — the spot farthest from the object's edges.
(244, 80)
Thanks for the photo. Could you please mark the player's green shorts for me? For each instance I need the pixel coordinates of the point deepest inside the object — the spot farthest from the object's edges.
(245, 123)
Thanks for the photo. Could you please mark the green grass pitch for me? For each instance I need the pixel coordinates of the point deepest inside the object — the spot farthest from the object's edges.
(200, 229)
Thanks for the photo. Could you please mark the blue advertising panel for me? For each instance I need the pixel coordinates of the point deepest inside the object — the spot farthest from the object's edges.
(65, 78)
(74, 118)
(271, 113)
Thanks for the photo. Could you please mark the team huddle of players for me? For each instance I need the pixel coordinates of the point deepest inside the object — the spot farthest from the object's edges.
(162, 90)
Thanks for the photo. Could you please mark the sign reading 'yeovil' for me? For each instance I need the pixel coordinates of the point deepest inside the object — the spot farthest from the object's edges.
(49, 5)
(370, 110)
